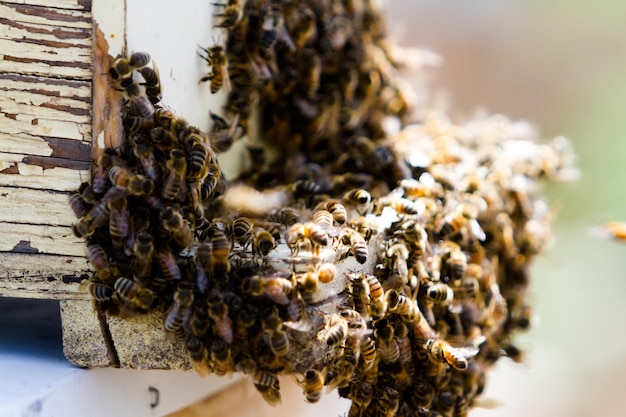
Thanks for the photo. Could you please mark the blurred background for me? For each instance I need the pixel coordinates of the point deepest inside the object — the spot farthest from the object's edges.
(562, 66)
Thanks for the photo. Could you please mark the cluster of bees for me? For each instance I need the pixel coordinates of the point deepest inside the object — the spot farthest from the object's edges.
(388, 263)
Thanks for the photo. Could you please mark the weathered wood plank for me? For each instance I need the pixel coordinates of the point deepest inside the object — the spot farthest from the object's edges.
(44, 108)
(26, 275)
(24, 123)
(18, 170)
(20, 31)
(46, 15)
(45, 146)
(28, 206)
(79, 90)
(58, 4)
(28, 238)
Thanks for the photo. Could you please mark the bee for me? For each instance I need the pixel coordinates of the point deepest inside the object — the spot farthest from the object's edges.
(242, 231)
(389, 351)
(402, 305)
(121, 70)
(360, 292)
(144, 153)
(367, 228)
(396, 257)
(389, 402)
(344, 368)
(326, 272)
(466, 288)
(356, 244)
(422, 394)
(311, 72)
(360, 199)
(135, 183)
(216, 58)
(401, 332)
(323, 218)
(224, 134)
(277, 289)
(100, 292)
(611, 230)
(377, 304)
(458, 219)
(313, 384)
(231, 15)
(220, 248)
(132, 292)
(304, 29)
(277, 337)
(221, 355)
(139, 59)
(400, 205)
(168, 264)
(441, 351)
(286, 216)
(172, 221)
(100, 262)
(179, 313)
(79, 206)
(176, 167)
(439, 292)
(198, 159)
(455, 260)
(139, 101)
(309, 236)
(273, 23)
(268, 386)
(336, 331)
(152, 83)
(164, 139)
(362, 394)
(446, 402)
(367, 349)
(218, 311)
(198, 355)
(425, 186)
(97, 217)
(263, 242)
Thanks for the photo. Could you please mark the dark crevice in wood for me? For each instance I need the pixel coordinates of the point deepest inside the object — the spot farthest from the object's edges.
(37, 79)
(69, 149)
(52, 44)
(82, 5)
(51, 14)
(67, 109)
(74, 64)
(57, 32)
(114, 360)
(48, 162)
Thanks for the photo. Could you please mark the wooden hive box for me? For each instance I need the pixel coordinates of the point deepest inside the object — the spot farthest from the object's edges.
(57, 109)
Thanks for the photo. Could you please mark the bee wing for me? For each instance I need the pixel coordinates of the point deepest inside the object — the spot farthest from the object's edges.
(466, 352)
(302, 326)
(610, 230)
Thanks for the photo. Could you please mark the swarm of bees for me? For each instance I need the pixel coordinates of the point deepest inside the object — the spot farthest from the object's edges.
(388, 263)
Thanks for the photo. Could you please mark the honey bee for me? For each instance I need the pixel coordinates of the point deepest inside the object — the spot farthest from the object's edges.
(367, 228)
(242, 231)
(221, 355)
(140, 102)
(336, 331)
(135, 183)
(220, 248)
(152, 83)
(389, 402)
(396, 257)
(198, 159)
(303, 28)
(326, 272)
(323, 218)
(441, 351)
(263, 242)
(400, 205)
(273, 24)
(132, 292)
(216, 58)
(377, 304)
(286, 216)
(402, 305)
(307, 285)
(389, 351)
(144, 153)
(163, 139)
(367, 349)
(611, 230)
(425, 186)
(422, 394)
(179, 313)
(277, 337)
(176, 167)
(309, 236)
(401, 332)
(277, 289)
(360, 199)
(100, 262)
(458, 219)
(362, 394)
(466, 288)
(313, 384)
(168, 264)
(439, 292)
(268, 386)
(311, 71)
(231, 14)
(360, 292)
(224, 134)
(218, 311)
(455, 260)
(98, 291)
(198, 355)
(97, 217)
(356, 244)
(79, 206)
(172, 220)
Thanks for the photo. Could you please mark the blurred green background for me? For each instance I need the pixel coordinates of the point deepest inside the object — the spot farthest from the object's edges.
(562, 66)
